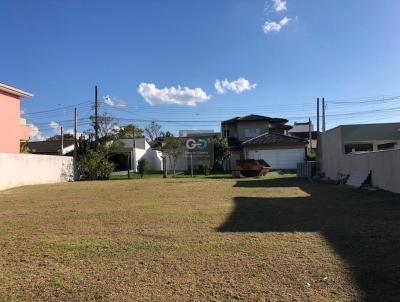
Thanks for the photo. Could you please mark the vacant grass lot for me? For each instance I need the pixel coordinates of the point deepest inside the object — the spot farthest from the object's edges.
(277, 239)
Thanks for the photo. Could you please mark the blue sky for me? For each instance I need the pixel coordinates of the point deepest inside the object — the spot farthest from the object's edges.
(342, 50)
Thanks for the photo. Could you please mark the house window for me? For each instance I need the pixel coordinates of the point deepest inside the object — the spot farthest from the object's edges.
(349, 148)
(386, 146)
(251, 132)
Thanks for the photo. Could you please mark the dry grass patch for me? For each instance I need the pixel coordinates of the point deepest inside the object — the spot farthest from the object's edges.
(198, 240)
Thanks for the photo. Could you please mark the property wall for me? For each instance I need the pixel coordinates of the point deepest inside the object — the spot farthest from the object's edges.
(29, 169)
(10, 128)
(385, 165)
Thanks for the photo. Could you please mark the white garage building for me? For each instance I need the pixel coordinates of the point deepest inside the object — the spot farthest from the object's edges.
(280, 151)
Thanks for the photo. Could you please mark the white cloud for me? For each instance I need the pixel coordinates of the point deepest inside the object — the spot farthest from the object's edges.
(55, 126)
(35, 134)
(280, 5)
(172, 95)
(270, 26)
(238, 86)
(113, 101)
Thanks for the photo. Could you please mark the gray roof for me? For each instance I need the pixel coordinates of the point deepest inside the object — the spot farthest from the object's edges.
(368, 132)
(48, 146)
(256, 117)
(271, 138)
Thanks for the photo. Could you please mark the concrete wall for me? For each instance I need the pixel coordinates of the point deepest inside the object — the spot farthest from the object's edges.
(385, 165)
(29, 169)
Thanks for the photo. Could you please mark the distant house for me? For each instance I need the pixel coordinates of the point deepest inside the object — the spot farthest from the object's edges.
(369, 137)
(51, 147)
(365, 149)
(303, 130)
(186, 133)
(128, 153)
(13, 128)
(261, 137)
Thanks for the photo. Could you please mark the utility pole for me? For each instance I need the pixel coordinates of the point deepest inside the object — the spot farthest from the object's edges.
(62, 141)
(317, 115)
(191, 162)
(75, 145)
(127, 165)
(323, 115)
(309, 135)
(96, 116)
(134, 150)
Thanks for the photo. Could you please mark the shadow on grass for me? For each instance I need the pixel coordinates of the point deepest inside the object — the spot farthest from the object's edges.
(362, 226)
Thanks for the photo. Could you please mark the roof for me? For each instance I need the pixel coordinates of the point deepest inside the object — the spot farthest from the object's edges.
(14, 91)
(302, 123)
(369, 132)
(304, 134)
(270, 138)
(48, 146)
(256, 117)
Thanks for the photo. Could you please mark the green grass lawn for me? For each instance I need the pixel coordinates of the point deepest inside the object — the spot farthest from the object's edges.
(275, 238)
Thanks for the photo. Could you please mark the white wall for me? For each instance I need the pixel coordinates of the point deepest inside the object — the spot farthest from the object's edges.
(142, 150)
(30, 169)
(385, 165)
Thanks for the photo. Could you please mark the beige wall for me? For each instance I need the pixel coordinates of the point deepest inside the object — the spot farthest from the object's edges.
(30, 169)
(262, 126)
(385, 165)
(238, 129)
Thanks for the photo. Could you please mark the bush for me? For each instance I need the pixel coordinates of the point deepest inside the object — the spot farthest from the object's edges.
(205, 168)
(311, 156)
(142, 166)
(95, 166)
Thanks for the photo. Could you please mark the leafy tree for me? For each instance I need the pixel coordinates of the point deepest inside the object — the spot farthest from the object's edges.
(24, 148)
(173, 148)
(95, 166)
(221, 149)
(57, 137)
(205, 168)
(142, 166)
(108, 126)
(168, 134)
(127, 132)
(153, 131)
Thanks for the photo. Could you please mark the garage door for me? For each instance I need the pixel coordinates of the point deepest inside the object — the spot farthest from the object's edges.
(279, 158)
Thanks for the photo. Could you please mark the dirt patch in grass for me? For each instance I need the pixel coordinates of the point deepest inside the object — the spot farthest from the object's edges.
(278, 239)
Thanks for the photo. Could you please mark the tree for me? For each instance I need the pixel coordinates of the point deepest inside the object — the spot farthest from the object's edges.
(108, 126)
(142, 166)
(95, 166)
(57, 137)
(173, 148)
(221, 149)
(153, 131)
(127, 132)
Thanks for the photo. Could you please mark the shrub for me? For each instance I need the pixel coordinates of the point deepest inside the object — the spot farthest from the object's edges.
(142, 166)
(311, 156)
(205, 168)
(95, 166)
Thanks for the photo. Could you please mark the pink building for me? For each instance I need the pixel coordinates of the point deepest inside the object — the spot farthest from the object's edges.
(13, 128)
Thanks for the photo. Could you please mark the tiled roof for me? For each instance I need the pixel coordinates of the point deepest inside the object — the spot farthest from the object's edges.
(48, 146)
(270, 138)
(256, 117)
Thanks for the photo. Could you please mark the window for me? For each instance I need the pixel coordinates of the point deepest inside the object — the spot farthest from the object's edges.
(386, 146)
(251, 132)
(358, 148)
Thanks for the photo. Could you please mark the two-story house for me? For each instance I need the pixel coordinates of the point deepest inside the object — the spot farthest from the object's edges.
(262, 137)
(13, 128)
